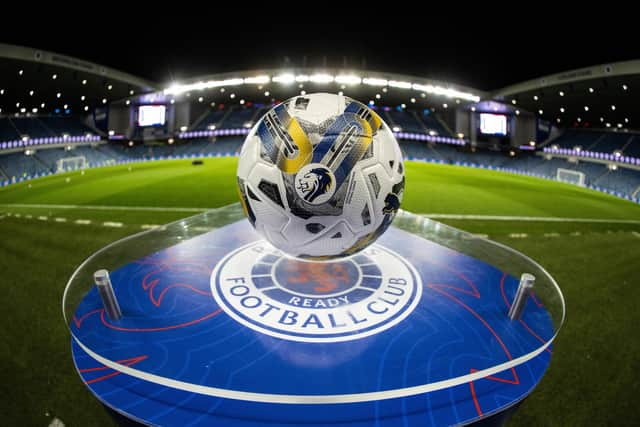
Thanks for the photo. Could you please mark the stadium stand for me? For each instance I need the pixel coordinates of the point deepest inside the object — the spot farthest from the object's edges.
(17, 166)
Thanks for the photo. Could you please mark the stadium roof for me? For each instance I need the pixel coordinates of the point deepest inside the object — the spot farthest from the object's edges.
(34, 81)
(601, 96)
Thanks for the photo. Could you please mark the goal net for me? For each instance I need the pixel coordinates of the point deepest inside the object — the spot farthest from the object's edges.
(572, 177)
(71, 163)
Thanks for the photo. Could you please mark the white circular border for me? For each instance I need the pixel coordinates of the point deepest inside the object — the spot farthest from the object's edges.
(351, 337)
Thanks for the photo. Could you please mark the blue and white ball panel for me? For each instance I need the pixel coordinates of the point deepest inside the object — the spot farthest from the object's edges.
(225, 329)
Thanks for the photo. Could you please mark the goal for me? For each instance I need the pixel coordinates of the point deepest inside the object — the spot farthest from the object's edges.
(71, 164)
(570, 176)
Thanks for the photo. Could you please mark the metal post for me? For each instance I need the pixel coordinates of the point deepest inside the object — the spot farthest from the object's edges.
(109, 301)
(522, 295)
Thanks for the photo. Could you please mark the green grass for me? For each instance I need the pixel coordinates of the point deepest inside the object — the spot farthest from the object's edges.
(592, 375)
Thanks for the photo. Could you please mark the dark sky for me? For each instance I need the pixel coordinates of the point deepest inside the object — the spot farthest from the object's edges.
(482, 58)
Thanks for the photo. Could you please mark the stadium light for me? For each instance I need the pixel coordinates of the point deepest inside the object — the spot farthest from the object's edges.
(372, 81)
(341, 93)
(127, 102)
(561, 93)
(396, 128)
(540, 112)
(20, 72)
(413, 100)
(284, 78)
(257, 80)
(586, 108)
(183, 128)
(1, 91)
(562, 109)
(232, 96)
(42, 105)
(302, 78)
(17, 105)
(200, 99)
(112, 132)
(535, 97)
(170, 140)
(322, 78)
(84, 82)
(400, 84)
(86, 108)
(513, 101)
(109, 87)
(31, 93)
(348, 79)
(613, 107)
(58, 95)
(104, 100)
(517, 112)
(626, 120)
(266, 93)
(591, 90)
(303, 92)
(23, 110)
(473, 108)
(131, 92)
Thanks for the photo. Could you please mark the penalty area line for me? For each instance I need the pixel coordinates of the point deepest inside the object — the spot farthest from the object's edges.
(104, 207)
(528, 218)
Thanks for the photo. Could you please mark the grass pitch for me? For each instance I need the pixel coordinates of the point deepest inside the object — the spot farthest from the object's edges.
(591, 379)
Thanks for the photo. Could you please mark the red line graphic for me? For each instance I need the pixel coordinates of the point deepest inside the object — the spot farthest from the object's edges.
(127, 362)
(441, 289)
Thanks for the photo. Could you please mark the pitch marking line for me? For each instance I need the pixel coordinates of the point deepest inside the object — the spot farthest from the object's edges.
(112, 224)
(528, 218)
(82, 221)
(635, 233)
(518, 235)
(105, 207)
(60, 219)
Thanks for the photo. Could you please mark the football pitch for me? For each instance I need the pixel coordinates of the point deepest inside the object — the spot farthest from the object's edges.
(590, 243)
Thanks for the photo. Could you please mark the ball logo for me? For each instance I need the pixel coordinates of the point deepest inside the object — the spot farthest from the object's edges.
(315, 183)
(304, 301)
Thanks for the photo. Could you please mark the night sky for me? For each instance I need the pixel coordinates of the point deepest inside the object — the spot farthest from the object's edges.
(481, 58)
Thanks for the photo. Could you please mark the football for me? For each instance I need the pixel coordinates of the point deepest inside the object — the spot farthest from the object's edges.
(320, 176)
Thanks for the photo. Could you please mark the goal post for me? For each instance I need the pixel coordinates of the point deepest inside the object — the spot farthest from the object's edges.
(71, 164)
(571, 176)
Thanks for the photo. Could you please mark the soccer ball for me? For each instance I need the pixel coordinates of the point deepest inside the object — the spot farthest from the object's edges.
(320, 176)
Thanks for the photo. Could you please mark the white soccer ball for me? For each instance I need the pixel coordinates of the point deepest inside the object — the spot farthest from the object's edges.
(320, 176)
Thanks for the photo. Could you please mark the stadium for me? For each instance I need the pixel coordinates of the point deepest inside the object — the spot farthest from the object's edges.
(548, 166)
